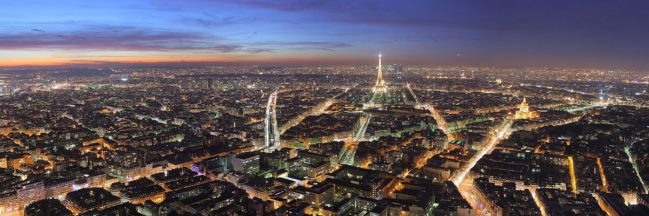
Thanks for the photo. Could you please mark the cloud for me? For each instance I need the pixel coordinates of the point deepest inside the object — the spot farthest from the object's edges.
(209, 20)
(259, 50)
(303, 45)
(415, 12)
(504, 15)
(114, 38)
(121, 38)
(282, 5)
(606, 32)
(225, 48)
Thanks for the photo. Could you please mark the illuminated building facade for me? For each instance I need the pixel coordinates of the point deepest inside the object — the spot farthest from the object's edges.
(524, 111)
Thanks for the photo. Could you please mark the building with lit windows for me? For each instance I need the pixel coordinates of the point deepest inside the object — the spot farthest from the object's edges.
(89, 199)
(247, 163)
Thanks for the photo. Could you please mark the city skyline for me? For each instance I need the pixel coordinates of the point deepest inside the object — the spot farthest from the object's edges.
(324, 108)
(251, 140)
(599, 34)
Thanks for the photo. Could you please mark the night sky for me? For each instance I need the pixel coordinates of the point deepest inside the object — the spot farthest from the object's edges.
(566, 33)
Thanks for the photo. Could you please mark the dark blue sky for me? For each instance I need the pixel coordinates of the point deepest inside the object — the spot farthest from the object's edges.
(598, 33)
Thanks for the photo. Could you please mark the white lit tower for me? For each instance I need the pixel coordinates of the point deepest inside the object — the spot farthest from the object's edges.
(380, 83)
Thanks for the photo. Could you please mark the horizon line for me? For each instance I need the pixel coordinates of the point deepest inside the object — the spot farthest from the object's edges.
(287, 64)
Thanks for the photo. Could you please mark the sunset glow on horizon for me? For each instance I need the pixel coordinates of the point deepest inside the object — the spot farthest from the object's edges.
(554, 33)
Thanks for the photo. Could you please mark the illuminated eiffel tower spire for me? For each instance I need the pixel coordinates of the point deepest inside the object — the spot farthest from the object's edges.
(380, 83)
